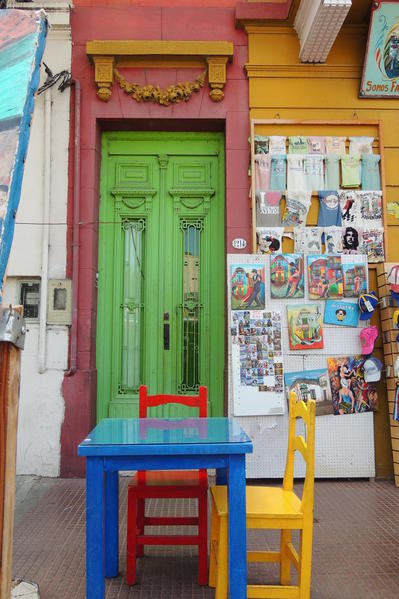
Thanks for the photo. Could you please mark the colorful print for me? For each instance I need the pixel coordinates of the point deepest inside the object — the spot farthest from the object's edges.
(304, 327)
(341, 313)
(350, 392)
(287, 276)
(311, 384)
(247, 287)
(325, 276)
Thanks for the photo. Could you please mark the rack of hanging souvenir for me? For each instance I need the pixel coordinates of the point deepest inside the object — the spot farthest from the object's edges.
(388, 291)
(321, 183)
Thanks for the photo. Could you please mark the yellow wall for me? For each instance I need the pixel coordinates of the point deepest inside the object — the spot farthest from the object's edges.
(280, 87)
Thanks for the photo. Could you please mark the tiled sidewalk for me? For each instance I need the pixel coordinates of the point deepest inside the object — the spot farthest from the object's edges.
(355, 550)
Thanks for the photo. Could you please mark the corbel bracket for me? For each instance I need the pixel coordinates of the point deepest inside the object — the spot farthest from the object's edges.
(108, 55)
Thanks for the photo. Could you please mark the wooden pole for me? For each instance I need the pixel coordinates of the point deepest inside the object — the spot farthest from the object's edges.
(10, 367)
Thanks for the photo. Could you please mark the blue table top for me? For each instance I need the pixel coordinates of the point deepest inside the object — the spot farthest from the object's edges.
(139, 435)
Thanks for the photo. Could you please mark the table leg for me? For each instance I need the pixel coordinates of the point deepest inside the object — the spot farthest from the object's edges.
(111, 524)
(221, 476)
(95, 531)
(237, 528)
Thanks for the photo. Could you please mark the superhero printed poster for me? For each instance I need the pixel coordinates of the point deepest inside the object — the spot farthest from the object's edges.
(247, 287)
(286, 276)
(350, 392)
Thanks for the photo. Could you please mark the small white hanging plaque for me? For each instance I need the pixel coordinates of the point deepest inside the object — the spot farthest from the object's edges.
(239, 243)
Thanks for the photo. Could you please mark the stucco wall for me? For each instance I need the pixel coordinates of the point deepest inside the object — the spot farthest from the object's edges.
(41, 410)
(163, 21)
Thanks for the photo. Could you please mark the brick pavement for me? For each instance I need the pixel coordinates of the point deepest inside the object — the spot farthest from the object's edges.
(356, 541)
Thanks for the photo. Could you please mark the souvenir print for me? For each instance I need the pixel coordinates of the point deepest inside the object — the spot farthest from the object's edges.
(311, 384)
(287, 276)
(333, 240)
(352, 240)
(341, 313)
(269, 240)
(277, 144)
(350, 207)
(325, 276)
(371, 207)
(258, 335)
(268, 208)
(355, 275)
(297, 204)
(350, 392)
(373, 244)
(247, 287)
(307, 240)
(261, 144)
(304, 327)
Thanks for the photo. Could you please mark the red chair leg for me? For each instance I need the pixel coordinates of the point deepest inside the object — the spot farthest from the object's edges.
(203, 545)
(140, 524)
(131, 545)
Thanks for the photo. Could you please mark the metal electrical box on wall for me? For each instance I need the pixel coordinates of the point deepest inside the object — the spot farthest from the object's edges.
(59, 301)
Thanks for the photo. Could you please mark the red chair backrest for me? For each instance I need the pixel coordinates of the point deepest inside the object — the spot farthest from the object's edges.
(192, 401)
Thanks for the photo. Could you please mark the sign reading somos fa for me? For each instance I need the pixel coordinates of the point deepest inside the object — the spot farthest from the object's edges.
(381, 64)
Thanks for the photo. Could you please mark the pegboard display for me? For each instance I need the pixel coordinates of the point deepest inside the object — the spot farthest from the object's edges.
(345, 444)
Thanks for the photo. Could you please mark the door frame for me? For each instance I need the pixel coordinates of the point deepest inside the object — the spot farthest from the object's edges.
(170, 136)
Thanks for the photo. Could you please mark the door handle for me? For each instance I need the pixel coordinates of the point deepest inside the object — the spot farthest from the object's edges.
(166, 336)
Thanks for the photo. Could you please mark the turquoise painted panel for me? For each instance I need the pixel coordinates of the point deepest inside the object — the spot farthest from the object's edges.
(381, 63)
(15, 69)
(22, 42)
(165, 431)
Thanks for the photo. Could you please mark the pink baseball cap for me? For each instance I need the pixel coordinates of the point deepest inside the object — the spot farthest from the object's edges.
(367, 339)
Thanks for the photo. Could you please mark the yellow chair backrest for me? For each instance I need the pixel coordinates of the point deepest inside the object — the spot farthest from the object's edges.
(298, 409)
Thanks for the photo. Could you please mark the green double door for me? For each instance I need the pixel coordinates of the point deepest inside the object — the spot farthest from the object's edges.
(160, 316)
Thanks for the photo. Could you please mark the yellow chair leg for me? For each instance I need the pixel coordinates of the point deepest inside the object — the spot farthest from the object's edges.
(285, 562)
(222, 566)
(214, 542)
(305, 565)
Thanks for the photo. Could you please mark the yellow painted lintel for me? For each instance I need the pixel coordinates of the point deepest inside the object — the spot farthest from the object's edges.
(317, 70)
(152, 48)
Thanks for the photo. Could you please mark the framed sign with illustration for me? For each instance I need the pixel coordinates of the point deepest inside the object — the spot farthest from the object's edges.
(380, 77)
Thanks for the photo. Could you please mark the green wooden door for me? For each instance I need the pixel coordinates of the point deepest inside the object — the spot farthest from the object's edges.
(160, 318)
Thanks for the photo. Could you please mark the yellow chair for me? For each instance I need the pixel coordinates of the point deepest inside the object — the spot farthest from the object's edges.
(273, 508)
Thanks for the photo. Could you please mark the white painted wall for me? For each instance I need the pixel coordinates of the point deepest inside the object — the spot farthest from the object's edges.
(41, 410)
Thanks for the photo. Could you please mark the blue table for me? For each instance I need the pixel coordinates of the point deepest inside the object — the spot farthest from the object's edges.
(160, 444)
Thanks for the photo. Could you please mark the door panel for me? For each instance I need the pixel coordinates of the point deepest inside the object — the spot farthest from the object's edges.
(161, 269)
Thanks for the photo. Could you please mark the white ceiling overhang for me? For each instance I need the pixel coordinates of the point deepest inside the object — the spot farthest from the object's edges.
(317, 24)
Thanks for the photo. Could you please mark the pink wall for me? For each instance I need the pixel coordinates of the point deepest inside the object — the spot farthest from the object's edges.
(139, 22)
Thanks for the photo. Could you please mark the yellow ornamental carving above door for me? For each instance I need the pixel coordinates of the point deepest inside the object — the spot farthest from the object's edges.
(107, 56)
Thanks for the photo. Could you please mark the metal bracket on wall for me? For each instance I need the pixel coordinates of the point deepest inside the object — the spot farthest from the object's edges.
(12, 327)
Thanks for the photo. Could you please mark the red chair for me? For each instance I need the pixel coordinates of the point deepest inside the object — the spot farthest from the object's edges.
(167, 484)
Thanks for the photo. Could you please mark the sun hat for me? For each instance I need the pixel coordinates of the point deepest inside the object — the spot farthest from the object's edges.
(367, 302)
(367, 339)
(372, 370)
